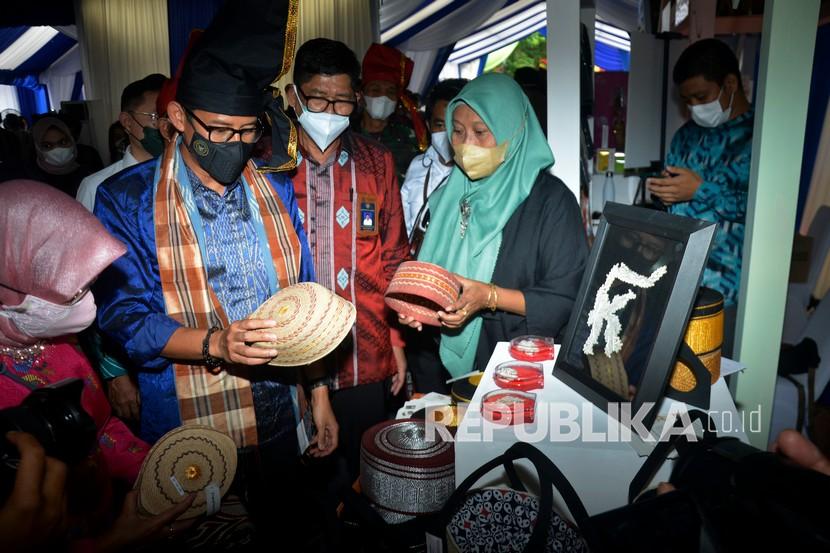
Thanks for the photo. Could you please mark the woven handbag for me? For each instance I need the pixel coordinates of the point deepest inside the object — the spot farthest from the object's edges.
(507, 520)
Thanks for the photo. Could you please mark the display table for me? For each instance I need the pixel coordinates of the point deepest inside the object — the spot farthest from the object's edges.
(599, 469)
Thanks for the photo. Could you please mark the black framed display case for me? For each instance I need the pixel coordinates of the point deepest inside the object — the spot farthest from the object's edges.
(633, 306)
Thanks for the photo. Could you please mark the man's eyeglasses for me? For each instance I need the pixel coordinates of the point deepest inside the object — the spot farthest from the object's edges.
(318, 104)
(224, 134)
(152, 116)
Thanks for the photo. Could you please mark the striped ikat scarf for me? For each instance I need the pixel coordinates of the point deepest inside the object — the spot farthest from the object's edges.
(217, 399)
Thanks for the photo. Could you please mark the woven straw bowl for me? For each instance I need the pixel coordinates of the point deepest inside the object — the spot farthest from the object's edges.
(311, 323)
(419, 290)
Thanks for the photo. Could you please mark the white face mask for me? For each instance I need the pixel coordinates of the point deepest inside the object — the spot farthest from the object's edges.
(323, 127)
(712, 114)
(39, 318)
(59, 156)
(380, 107)
(441, 143)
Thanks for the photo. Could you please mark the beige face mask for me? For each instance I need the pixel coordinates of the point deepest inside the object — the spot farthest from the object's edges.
(478, 162)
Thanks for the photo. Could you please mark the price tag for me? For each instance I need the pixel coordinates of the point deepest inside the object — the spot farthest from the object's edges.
(177, 485)
(213, 499)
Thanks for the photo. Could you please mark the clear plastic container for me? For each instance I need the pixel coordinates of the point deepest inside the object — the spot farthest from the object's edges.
(532, 348)
(519, 375)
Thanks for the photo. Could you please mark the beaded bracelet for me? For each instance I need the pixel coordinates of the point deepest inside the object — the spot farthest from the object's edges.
(211, 362)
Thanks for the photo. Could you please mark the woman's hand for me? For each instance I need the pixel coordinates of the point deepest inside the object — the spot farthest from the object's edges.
(231, 344)
(474, 296)
(124, 397)
(410, 322)
(131, 529)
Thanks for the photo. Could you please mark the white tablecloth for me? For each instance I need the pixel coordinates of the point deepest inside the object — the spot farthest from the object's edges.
(599, 470)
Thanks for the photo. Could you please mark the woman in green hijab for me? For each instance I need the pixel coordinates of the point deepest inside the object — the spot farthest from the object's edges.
(510, 231)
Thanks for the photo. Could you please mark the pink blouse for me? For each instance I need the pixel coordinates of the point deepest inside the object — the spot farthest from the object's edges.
(117, 447)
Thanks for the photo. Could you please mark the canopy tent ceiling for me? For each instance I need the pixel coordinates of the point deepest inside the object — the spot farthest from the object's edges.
(43, 63)
(31, 50)
(433, 32)
(508, 25)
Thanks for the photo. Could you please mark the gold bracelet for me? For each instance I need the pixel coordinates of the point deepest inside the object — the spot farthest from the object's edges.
(494, 292)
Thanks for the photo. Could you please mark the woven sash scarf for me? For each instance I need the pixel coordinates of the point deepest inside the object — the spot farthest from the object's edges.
(220, 399)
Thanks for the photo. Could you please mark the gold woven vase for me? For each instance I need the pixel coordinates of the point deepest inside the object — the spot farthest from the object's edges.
(705, 336)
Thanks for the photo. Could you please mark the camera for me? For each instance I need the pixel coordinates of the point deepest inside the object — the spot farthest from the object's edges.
(729, 497)
(52, 414)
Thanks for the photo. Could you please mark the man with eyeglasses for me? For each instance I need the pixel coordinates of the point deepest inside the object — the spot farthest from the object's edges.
(209, 238)
(140, 121)
(350, 204)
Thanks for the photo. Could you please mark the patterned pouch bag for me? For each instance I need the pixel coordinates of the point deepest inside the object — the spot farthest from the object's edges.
(508, 520)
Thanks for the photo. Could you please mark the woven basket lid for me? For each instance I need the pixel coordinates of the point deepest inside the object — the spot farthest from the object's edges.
(187, 459)
(311, 323)
(404, 443)
(405, 470)
(419, 290)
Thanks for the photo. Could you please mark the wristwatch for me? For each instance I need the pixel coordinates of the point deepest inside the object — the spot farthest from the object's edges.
(325, 381)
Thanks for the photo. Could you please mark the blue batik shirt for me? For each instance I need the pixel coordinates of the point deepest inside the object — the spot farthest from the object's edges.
(131, 306)
(235, 271)
(721, 156)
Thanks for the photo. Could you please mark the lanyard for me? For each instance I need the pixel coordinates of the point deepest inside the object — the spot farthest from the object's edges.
(426, 185)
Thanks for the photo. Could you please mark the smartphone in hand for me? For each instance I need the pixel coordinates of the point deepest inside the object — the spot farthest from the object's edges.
(656, 202)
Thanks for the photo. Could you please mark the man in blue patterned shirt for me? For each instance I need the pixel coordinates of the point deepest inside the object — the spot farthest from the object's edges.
(210, 236)
(707, 167)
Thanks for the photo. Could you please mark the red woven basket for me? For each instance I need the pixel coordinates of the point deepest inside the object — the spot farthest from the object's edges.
(419, 290)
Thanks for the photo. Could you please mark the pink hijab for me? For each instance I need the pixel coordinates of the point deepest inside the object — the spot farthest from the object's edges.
(50, 247)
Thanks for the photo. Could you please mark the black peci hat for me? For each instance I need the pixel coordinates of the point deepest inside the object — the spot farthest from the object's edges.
(248, 46)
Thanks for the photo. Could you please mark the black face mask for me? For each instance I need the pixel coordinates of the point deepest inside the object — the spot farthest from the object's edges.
(224, 162)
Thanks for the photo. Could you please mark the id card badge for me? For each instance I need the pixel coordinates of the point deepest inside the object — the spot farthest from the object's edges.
(367, 206)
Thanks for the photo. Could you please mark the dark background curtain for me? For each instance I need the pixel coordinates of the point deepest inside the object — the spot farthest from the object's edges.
(182, 17)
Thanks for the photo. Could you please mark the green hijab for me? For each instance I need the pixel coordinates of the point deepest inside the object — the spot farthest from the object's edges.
(502, 105)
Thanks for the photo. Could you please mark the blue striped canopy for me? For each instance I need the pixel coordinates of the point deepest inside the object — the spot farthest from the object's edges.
(25, 53)
(30, 51)
(404, 22)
